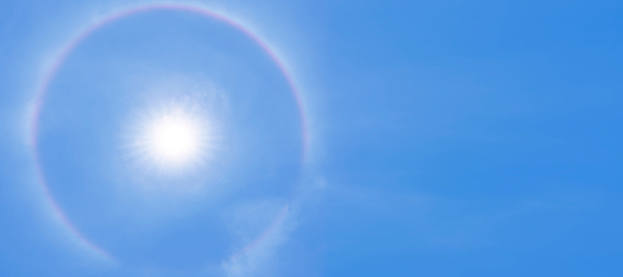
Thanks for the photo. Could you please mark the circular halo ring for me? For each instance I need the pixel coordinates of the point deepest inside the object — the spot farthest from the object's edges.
(67, 49)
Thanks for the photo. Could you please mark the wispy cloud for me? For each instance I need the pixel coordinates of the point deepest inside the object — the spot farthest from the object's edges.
(257, 256)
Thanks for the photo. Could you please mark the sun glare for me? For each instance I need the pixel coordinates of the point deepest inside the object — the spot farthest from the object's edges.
(173, 139)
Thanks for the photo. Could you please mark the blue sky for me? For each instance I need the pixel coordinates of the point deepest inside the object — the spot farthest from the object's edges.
(433, 138)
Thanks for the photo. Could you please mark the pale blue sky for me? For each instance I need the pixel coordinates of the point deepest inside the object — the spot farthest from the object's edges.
(445, 138)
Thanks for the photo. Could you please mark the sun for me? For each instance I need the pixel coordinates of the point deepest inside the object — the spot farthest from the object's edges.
(174, 138)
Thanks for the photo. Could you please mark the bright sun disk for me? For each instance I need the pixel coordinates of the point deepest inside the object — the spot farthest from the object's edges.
(174, 139)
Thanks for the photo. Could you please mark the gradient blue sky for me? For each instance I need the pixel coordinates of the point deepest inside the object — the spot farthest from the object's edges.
(447, 138)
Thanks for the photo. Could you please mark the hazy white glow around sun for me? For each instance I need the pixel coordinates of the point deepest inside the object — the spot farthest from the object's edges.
(172, 139)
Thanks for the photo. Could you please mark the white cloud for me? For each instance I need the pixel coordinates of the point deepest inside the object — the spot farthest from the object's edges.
(262, 227)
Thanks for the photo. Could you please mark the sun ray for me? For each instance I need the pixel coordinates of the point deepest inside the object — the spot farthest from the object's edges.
(173, 139)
